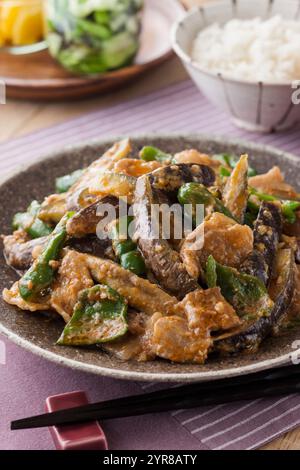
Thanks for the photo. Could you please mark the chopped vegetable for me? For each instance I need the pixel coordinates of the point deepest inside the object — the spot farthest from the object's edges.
(99, 316)
(288, 207)
(211, 272)
(195, 193)
(134, 262)
(120, 237)
(224, 171)
(136, 167)
(194, 156)
(258, 328)
(230, 161)
(262, 196)
(53, 208)
(235, 194)
(126, 249)
(246, 293)
(18, 250)
(41, 273)
(93, 37)
(273, 182)
(123, 247)
(141, 294)
(64, 183)
(113, 184)
(266, 236)
(153, 153)
(30, 222)
(164, 262)
(170, 178)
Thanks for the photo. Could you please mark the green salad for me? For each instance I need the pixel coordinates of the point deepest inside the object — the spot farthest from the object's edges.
(94, 36)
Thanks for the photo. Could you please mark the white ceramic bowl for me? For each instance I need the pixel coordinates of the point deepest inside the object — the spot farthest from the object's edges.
(255, 106)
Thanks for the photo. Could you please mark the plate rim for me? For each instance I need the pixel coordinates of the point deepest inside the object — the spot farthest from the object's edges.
(147, 376)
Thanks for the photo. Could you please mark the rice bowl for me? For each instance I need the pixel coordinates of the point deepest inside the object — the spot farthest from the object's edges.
(255, 103)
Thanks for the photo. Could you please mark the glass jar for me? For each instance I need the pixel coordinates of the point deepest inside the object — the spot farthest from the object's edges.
(21, 26)
(93, 36)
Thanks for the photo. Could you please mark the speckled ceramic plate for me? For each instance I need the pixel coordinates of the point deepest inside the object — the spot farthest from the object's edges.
(38, 333)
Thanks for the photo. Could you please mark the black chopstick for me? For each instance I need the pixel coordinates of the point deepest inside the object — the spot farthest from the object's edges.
(267, 375)
(276, 382)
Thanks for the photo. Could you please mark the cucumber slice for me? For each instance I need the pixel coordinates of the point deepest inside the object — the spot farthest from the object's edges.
(98, 30)
(93, 36)
(102, 17)
(54, 41)
(119, 50)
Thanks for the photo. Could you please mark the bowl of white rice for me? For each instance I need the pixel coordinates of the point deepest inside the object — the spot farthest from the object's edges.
(245, 58)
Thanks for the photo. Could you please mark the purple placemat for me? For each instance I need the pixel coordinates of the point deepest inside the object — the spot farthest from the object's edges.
(26, 380)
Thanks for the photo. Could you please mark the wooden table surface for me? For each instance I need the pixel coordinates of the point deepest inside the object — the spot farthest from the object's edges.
(18, 118)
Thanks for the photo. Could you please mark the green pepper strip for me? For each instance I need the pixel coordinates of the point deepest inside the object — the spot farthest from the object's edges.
(102, 17)
(97, 30)
(231, 161)
(245, 292)
(99, 316)
(126, 249)
(41, 273)
(134, 262)
(150, 154)
(288, 207)
(224, 171)
(289, 210)
(30, 222)
(64, 183)
(196, 193)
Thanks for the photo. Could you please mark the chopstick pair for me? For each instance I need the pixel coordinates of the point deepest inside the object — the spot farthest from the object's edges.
(276, 382)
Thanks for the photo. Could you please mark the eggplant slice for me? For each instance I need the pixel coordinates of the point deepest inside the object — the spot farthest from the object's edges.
(86, 220)
(251, 335)
(92, 245)
(18, 254)
(170, 178)
(297, 253)
(163, 261)
(267, 233)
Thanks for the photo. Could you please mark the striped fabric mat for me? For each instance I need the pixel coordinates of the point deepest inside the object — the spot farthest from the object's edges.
(179, 108)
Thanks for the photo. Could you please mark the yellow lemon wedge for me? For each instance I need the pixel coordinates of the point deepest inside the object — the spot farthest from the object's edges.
(21, 22)
(8, 16)
(28, 27)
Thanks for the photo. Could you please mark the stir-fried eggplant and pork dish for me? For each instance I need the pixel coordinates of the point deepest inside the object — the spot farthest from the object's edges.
(139, 294)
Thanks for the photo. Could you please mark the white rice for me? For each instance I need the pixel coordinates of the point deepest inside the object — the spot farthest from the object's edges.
(251, 49)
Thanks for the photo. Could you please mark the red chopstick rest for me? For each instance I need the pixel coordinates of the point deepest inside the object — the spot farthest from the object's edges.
(82, 436)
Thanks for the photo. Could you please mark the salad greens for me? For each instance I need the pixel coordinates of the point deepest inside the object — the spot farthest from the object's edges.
(93, 36)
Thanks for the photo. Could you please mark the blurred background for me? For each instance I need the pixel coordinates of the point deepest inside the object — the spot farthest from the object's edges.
(63, 58)
(36, 91)
(49, 86)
